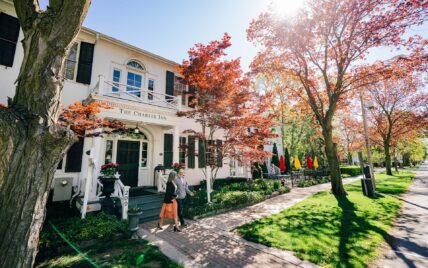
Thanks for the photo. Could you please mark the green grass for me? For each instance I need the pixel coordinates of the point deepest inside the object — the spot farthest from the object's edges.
(334, 232)
(117, 254)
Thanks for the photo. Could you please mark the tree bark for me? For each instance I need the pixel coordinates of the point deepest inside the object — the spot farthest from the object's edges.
(333, 162)
(387, 158)
(31, 141)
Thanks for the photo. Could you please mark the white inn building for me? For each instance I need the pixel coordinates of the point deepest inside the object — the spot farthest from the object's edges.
(145, 93)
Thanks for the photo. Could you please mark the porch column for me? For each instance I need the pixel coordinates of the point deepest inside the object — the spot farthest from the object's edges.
(176, 145)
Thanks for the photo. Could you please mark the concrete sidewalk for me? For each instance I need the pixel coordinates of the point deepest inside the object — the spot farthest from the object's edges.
(209, 242)
(408, 243)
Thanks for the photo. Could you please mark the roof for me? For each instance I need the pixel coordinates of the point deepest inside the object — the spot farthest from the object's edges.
(129, 46)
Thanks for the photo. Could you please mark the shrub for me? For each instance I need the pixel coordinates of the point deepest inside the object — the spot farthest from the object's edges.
(233, 195)
(95, 226)
(351, 170)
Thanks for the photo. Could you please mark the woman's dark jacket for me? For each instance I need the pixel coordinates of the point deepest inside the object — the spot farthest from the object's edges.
(169, 193)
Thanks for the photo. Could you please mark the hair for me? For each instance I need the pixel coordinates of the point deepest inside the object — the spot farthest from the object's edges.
(172, 175)
(181, 169)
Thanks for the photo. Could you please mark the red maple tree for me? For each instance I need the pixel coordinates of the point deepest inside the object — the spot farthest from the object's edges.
(320, 48)
(225, 106)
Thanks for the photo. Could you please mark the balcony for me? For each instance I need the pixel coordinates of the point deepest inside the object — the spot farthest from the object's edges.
(135, 94)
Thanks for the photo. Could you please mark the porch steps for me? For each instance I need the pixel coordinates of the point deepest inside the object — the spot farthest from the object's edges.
(150, 204)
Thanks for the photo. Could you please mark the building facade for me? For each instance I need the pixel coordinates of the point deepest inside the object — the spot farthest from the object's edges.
(144, 92)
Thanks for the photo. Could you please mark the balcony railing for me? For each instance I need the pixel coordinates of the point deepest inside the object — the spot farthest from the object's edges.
(132, 93)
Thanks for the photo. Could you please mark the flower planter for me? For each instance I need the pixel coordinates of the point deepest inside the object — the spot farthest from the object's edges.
(107, 205)
(134, 220)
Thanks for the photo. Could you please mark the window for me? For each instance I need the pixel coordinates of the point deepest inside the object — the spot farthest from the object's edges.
(116, 80)
(192, 101)
(9, 32)
(151, 88)
(144, 151)
(136, 65)
(109, 152)
(73, 162)
(169, 86)
(182, 155)
(134, 84)
(71, 62)
(219, 153)
(191, 152)
(201, 154)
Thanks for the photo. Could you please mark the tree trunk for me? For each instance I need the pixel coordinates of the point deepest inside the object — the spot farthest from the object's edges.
(333, 163)
(31, 141)
(387, 158)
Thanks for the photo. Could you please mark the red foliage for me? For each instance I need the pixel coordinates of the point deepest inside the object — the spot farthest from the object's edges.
(225, 104)
(82, 119)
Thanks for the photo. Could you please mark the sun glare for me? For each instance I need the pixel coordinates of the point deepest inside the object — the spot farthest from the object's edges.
(286, 7)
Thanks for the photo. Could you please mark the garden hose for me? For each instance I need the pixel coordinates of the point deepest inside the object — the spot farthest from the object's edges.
(73, 246)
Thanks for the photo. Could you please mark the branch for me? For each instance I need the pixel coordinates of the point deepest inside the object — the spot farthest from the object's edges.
(27, 11)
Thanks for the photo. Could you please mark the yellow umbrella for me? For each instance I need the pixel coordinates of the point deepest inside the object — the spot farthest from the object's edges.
(316, 162)
(296, 162)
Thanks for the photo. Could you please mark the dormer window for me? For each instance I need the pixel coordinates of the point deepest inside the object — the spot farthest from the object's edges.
(136, 65)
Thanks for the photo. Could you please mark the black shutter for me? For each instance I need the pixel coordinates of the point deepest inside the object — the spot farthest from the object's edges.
(9, 32)
(73, 162)
(201, 154)
(191, 153)
(219, 153)
(169, 86)
(84, 69)
(182, 151)
(167, 150)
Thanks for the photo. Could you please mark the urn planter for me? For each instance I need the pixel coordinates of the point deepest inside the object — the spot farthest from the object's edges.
(107, 205)
(134, 219)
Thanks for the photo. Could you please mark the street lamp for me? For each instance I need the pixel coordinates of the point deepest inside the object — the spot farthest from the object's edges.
(366, 137)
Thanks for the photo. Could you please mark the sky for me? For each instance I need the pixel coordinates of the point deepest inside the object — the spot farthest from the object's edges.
(170, 27)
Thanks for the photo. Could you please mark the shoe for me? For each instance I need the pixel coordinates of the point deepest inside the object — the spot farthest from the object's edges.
(184, 225)
(176, 229)
(159, 227)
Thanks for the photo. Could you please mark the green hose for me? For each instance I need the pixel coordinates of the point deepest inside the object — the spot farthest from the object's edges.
(83, 255)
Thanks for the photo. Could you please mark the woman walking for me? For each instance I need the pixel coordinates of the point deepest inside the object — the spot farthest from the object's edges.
(169, 207)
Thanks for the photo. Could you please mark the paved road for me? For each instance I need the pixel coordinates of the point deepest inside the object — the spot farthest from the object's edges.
(408, 243)
(210, 243)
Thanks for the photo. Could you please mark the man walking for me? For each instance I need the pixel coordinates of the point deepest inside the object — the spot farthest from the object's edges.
(182, 190)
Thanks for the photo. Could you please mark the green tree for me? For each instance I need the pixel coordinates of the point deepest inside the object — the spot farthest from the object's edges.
(275, 156)
(287, 160)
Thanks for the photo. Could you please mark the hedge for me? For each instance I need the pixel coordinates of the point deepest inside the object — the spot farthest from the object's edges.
(219, 183)
(233, 196)
(351, 170)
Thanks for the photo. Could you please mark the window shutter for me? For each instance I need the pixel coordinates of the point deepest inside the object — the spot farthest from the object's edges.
(73, 162)
(191, 153)
(182, 151)
(84, 69)
(219, 153)
(169, 86)
(167, 150)
(9, 32)
(201, 154)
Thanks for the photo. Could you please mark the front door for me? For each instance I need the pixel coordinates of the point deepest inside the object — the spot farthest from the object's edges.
(127, 158)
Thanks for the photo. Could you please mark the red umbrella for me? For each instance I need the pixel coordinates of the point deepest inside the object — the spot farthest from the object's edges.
(309, 163)
(282, 166)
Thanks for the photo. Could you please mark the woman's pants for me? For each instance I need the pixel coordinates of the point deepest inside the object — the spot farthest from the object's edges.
(180, 203)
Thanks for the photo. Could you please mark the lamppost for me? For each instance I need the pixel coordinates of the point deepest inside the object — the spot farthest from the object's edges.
(366, 137)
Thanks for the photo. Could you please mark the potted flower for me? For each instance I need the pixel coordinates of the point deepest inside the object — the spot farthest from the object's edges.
(134, 219)
(177, 166)
(108, 179)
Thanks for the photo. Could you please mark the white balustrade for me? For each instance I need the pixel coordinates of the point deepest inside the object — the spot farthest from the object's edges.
(137, 94)
(161, 181)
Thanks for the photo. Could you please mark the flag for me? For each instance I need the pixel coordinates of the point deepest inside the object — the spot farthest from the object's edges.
(282, 166)
(316, 162)
(309, 163)
(296, 162)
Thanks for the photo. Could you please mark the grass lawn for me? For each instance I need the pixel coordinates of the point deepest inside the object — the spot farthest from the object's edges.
(117, 253)
(334, 232)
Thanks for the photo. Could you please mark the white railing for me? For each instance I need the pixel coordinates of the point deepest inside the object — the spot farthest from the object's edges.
(122, 192)
(238, 172)
(132, 93)
(274, 170)
(161, 180)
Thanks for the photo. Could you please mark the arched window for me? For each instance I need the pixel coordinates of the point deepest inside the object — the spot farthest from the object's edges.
(136, 65)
